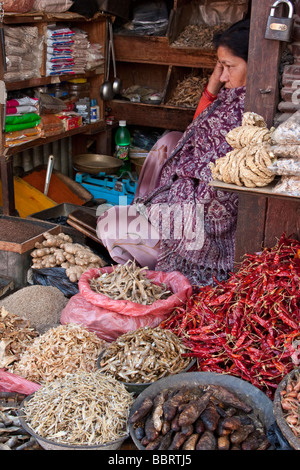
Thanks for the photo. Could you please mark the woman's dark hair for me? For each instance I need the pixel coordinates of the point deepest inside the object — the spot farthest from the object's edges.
(235, 38)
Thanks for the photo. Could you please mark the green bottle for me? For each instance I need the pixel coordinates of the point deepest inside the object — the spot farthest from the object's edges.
(122, 140)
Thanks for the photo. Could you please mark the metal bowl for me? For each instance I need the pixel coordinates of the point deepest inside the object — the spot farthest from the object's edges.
(279, 414)
(52, 445)
(262, 406)
(93, 163)
(137, 388)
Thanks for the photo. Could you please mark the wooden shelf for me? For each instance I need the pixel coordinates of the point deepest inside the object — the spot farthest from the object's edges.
(42, 81)
(166, 117)
(96, 28)
(267, 191)
(157, 50)
(86, 129)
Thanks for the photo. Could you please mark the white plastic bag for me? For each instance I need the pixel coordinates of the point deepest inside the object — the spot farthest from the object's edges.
(289, 131)
(58, 6)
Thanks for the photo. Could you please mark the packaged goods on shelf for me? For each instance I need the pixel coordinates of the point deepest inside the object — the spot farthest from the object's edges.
(60, 43)
(23, 48)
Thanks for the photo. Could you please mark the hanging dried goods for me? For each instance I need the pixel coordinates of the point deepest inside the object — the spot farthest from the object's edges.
(206, 417)
(80, 409)
(249, 325)
(144, 355)
(58, 352)
(129, 282)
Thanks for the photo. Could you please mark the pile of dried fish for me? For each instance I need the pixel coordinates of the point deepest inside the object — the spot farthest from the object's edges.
(199, 35)
(60, 351)
(198, 418)
(15, 335)
(144, 355)
(128, 282)
(188, 92)
(81, 409)
(12, 434)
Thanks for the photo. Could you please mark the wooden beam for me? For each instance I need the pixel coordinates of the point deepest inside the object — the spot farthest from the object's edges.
(263, 64)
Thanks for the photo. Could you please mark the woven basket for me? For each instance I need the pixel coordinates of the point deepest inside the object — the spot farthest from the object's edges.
(138, 162)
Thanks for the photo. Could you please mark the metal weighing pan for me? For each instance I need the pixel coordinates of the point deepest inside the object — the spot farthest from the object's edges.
(93, 164)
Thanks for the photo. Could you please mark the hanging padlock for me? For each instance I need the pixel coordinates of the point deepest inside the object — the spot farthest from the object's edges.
(280, 29)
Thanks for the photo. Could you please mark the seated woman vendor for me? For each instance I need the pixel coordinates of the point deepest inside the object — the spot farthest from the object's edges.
(177, 221)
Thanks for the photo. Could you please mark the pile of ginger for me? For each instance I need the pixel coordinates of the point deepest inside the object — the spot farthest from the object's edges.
(59, 250)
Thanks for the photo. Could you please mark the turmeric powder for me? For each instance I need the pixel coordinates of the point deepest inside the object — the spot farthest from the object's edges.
(58, 191)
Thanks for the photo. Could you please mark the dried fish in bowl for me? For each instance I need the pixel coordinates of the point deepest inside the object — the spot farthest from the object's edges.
(144, 356)
(78, 411)
(12, 434)
(60, 351)
(128, 282)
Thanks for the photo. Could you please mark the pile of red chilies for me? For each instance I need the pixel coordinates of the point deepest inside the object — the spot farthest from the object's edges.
(248, 326)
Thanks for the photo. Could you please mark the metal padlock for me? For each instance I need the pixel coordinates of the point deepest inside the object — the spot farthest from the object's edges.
(280, 29)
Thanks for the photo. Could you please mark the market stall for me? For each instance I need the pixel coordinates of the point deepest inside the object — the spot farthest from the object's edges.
(101, 355)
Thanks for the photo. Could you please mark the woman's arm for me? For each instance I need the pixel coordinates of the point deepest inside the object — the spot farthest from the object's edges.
(211, 90)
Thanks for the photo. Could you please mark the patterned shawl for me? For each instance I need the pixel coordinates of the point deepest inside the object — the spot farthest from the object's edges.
(205, 246)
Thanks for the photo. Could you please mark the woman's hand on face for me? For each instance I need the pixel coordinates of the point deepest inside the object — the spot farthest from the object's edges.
(214, 83)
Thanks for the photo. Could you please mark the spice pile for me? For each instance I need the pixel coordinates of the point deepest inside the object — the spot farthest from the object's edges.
(200, 418)
(80, 409)
(59, 352)
(249, 325)
(144, 355)
(128, 282)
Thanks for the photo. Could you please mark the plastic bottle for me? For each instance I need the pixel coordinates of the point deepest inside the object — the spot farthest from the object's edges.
(95, 111)
(122, 140)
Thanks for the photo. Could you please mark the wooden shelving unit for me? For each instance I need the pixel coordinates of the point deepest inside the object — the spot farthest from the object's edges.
(97, 33)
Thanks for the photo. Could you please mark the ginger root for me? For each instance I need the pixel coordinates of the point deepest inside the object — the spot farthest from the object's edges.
(59, 250)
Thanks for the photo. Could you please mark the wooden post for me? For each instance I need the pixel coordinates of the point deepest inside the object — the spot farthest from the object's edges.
(262, 96)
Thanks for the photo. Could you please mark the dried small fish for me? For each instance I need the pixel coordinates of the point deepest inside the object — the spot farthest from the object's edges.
(58, 352)
(128, 282)
(12, 434)
(15, 335)
(144, 355)
(199, 35)
(80, 409)
(188, 92)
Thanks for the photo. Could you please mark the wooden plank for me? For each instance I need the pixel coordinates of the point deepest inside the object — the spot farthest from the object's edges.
(282, 216)
(259, 191)
(264, 57)
(156, 50)
(164, 117)
(250, 225)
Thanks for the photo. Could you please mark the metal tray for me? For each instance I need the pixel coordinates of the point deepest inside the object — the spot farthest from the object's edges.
(93, 164)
